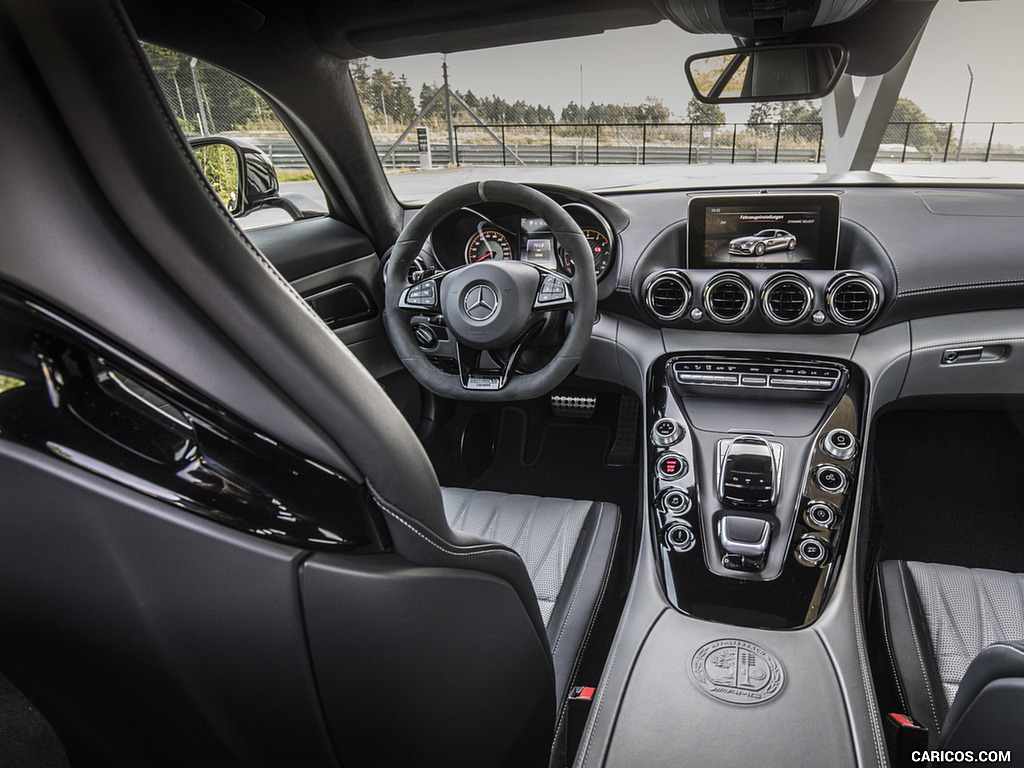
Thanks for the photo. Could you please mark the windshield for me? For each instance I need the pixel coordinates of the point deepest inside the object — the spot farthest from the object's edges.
(515, 112)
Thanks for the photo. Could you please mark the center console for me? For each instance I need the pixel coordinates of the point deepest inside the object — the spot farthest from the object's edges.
(752, 460)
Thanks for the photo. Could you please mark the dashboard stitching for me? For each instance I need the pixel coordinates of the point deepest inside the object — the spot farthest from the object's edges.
(961, 287)
(961, 342)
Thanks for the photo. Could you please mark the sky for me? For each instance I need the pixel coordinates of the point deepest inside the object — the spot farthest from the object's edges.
(625, 66)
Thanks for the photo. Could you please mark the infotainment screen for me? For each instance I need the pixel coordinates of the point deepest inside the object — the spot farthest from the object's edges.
(763, 232)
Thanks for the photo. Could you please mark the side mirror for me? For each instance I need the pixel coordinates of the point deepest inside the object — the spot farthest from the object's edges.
(240, 173)
(766, 73)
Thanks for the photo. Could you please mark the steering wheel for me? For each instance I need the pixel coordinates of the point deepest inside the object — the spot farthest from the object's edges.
(459, 316)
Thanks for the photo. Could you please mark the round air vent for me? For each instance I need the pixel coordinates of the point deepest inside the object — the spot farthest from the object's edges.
(786, 299)
(668, 295)
(852, 299)
(728, 298)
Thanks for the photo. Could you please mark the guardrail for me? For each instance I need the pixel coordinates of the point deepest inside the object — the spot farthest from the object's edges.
(678, 143)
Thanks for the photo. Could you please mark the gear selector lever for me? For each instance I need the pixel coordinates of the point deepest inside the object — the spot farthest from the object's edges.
(749, 471)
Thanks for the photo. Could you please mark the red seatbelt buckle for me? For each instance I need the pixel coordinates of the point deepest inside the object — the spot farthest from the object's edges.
(904, 736)
(582, 693)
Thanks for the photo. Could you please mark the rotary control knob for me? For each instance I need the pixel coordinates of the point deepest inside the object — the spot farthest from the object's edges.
(830, 479)
(675, 502)
(840, 445)
(679, 537)
(821, 515)
(666, 432)
(812, 551)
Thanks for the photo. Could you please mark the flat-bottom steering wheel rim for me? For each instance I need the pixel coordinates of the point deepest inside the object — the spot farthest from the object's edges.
(583, 285)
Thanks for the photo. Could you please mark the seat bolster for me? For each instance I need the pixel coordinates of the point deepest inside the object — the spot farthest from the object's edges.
(582, 590)
(417, 543)
(910, 647)
(997, 662)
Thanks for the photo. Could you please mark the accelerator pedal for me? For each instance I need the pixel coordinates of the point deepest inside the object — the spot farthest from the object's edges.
(623, 450)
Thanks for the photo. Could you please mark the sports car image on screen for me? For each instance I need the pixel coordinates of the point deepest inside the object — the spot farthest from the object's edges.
(764, 241)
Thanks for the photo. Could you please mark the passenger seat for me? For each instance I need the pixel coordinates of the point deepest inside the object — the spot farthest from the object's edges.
(955, 640)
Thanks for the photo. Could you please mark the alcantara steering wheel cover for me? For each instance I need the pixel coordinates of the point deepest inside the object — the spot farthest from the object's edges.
(583, 282)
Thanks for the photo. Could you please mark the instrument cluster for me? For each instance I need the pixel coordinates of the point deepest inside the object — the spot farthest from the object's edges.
(490, 231)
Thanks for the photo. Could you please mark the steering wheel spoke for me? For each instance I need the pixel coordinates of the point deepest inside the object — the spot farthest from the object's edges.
(475, 378)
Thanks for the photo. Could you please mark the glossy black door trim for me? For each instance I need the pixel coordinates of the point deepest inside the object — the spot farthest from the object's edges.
(68, 393)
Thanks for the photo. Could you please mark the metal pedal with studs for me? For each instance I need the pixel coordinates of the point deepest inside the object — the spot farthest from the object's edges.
(573, 406)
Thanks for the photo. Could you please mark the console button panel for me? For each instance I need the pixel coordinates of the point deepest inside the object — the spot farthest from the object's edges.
(751, 525)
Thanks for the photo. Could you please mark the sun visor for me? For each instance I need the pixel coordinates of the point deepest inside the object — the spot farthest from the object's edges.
(758, 19)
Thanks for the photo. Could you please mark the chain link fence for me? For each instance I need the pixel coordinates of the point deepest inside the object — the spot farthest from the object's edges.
(459, 129)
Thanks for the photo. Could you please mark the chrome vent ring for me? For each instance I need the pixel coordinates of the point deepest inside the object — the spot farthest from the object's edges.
(667, 295)
(786, 299)
(852, 299)
(728, 298)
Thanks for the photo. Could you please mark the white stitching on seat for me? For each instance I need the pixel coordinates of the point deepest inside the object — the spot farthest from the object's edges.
(892, 658)
(920, 656)
(576, 590)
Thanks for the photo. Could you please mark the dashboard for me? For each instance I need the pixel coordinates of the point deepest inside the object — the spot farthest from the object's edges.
(879, 255)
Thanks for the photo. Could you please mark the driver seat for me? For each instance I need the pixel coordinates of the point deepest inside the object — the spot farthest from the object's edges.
(209, 643)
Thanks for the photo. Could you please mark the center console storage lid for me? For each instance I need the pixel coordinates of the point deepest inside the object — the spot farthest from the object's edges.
(754, 713)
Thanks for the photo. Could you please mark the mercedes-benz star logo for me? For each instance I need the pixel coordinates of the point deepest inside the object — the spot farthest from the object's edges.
(480, 302)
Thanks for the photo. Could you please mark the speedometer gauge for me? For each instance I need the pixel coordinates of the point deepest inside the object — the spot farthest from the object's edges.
(487, 244)
(600, 247)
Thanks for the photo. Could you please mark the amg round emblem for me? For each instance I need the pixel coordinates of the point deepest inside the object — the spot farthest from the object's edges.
(480, 302)
(737, 672)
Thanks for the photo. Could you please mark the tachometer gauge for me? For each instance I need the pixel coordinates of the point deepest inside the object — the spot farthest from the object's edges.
(600, 247)
(487, 244)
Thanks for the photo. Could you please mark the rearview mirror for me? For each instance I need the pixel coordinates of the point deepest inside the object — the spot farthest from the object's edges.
(766, 73)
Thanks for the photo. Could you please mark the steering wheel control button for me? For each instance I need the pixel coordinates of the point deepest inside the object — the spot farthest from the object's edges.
(667, 432)
(840, 445)
(821, 516)
(672, 466)
(425, 336)
(675, 502)
(679, 537)
(812, 551)
(830, 479)
(554, 292)
(422, 295)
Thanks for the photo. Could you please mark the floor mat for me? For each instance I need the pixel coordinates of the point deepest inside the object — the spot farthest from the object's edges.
(558, 459)
(951, 487)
